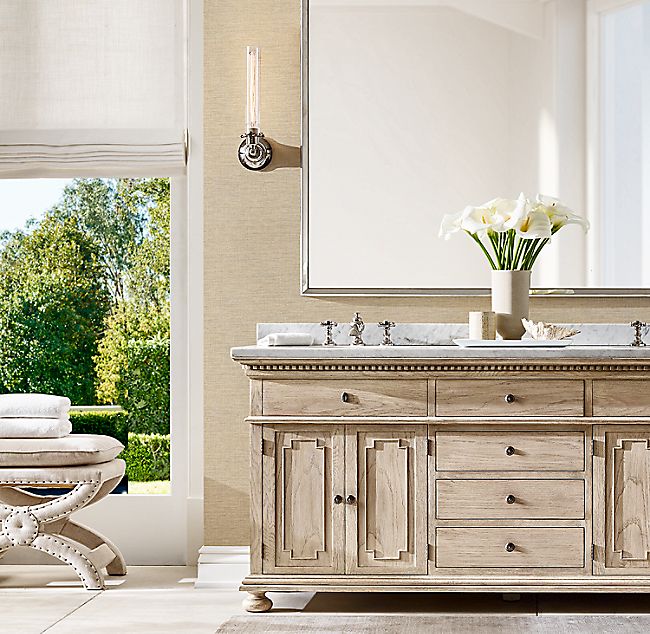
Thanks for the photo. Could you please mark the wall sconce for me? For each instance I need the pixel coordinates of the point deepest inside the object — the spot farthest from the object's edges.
(255, 151)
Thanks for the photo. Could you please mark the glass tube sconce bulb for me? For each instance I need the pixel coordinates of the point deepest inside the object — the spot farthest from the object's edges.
(252, 88)
(255, 151)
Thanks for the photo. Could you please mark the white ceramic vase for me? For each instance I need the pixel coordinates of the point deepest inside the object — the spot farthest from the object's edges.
(510, 292)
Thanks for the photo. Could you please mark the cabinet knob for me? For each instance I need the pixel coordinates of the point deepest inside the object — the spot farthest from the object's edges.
(345, 397)
(510, 451)
(351, 499)
(510, 547)
(511, 499)
(338, 499)
(510, 398)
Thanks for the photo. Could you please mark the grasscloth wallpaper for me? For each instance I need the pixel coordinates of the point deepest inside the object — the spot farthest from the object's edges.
(252, 246)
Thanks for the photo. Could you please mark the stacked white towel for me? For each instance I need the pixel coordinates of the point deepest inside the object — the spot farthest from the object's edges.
(34, 416)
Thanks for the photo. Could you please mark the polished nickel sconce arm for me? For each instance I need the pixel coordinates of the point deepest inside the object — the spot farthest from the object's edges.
(255, 151)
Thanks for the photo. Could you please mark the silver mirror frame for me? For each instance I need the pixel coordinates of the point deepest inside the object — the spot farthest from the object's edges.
(307, 289)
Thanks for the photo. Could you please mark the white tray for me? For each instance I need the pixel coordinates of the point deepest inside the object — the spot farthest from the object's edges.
(514, 343)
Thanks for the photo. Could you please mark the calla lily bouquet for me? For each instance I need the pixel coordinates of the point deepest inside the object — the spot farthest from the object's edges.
(512, 233)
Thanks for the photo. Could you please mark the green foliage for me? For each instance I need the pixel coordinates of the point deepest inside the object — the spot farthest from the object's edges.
(133, 356)
(144, 385)
(114, 424)
(53, 303)
(147, 457)
(107, 211)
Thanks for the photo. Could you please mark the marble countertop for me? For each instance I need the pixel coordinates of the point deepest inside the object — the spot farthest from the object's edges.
(436, 352)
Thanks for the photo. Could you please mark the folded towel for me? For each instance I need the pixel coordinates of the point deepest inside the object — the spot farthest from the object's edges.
(287, 339)
(33, 406)
(34, 427)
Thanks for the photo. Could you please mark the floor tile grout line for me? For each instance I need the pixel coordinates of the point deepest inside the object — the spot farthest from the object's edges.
(65, 616)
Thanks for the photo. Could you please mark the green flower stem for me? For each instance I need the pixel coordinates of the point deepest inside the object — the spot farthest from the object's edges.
(480, 244)
(535, 255)
(497, 250)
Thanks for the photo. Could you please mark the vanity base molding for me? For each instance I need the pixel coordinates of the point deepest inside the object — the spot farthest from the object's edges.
(504, 478)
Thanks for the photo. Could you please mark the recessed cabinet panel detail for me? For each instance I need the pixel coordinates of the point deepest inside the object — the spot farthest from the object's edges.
(623, 457)
(386, 470)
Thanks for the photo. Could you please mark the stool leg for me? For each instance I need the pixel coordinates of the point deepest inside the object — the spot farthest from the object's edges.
(92, 539)
(64, 550)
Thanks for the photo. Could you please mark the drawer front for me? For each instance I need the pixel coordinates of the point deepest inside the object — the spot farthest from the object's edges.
(516, 397)
(510, 451)
(622, 397)
(510, 547)
(345, 398)
(510, 499)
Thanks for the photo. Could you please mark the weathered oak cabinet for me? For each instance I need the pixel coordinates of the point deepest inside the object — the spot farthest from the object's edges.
(449, 475)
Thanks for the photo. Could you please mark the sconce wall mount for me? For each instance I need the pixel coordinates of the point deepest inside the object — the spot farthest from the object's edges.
(255, 151)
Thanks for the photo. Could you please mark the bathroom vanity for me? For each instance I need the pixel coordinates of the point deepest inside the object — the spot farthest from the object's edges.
(436, 468)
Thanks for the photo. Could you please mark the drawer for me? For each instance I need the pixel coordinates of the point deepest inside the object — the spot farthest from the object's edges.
(510, 451)
(345, 398)
(515, 397)
(622, 397)
(510, 547)
(510, 499)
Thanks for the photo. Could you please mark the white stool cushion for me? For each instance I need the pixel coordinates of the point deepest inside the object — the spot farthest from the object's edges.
(75, 449)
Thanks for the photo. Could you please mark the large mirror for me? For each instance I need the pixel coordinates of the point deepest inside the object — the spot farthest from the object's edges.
(417, 109)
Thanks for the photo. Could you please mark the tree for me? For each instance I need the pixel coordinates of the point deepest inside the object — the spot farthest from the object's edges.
(53, 305)
(114, 213)
(133, 356)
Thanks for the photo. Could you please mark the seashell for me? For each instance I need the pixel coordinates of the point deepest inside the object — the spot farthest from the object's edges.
(547, 332)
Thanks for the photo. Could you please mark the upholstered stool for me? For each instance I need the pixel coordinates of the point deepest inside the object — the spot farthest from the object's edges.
(84, 464)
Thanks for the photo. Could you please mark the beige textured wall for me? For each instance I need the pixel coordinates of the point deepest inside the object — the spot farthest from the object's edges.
(252, 247)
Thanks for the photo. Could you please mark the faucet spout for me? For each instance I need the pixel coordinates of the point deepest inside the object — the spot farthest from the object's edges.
(356, 329)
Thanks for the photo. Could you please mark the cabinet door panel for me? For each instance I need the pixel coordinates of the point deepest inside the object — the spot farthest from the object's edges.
(622, 499)
(386, 526)
(303, 527)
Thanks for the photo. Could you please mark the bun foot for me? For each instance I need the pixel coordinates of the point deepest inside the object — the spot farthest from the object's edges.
(257, 602)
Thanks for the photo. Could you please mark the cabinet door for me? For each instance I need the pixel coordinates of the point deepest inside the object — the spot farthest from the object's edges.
(621, 480)
(386, 522)
(303, 470)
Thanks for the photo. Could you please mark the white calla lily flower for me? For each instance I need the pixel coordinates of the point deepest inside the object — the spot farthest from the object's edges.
(512, 233)
(536, 224)
(559, 214)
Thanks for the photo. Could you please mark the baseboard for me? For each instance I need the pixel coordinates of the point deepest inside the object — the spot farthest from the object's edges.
(222, 567)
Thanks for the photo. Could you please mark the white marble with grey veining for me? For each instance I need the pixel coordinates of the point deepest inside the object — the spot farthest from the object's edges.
(444, 334)
(315, 353)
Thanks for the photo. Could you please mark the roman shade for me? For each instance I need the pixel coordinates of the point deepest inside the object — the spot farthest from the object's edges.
(92, 88)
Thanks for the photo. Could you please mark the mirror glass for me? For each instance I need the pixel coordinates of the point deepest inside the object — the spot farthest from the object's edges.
(417, 109)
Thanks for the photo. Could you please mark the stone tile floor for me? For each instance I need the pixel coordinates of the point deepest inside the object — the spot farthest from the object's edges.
(39, 599)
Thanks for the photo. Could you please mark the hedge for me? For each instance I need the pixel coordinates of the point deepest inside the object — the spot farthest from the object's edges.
(145, 386)
(147, 457)
(114, 424)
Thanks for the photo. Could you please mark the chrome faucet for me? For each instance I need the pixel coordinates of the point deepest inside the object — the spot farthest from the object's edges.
(387, 325)
(638, 336)
(356, 329)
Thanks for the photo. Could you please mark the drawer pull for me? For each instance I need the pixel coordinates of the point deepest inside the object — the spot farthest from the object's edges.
(338, 499)
(511, 499)
(510, 398)
(510, 451)
(510, 547)
(345, 397)
(351, 499)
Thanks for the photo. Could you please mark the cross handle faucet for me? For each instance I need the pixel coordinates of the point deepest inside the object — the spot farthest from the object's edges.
(638, 336)
(328, 325)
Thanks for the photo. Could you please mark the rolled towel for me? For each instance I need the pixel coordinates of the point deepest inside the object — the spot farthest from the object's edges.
(33, 406)
(35, 427)
(287, 339)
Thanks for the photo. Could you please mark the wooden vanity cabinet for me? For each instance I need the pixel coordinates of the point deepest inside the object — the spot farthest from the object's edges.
(454, 475)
